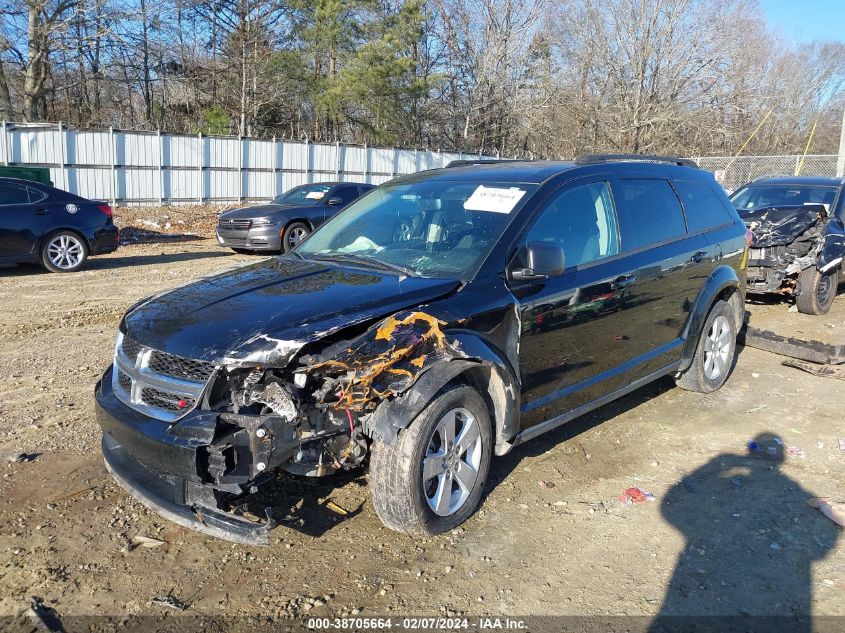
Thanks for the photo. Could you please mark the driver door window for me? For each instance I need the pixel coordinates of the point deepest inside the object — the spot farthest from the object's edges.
(582, 221)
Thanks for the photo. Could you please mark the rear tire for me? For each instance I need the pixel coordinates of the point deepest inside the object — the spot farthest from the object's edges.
(817, 290)
(64, 252)
(294, 233)
(426, 482)
(714, 353)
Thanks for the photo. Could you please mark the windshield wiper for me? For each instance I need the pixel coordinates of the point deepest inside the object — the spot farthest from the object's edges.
(366, 261)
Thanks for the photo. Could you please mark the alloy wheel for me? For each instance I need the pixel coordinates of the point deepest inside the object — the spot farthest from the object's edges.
(65, 251)
(296, 235)
(717, 348)
(451, 462)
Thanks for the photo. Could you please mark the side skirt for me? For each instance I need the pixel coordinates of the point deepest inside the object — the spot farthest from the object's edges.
(563, 418)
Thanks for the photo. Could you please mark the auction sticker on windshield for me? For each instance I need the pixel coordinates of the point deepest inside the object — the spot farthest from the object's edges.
(494, 199)
(315, 195)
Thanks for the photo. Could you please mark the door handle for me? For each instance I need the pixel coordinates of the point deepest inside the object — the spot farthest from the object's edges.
(698, 257)
(622, 282)
(41, 212)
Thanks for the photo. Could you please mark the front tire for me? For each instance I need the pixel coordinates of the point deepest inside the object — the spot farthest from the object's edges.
(294, 234)
(431, 477)
(817, 290)
(64, 252)
(714, 354)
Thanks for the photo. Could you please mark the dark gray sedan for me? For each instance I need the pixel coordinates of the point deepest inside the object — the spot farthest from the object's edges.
(288, 219)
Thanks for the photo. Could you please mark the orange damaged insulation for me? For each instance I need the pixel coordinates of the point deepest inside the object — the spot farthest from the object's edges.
(384, 361)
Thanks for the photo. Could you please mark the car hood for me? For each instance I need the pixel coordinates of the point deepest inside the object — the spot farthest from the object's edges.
(261, 211)
(262, 314)
(775, 226)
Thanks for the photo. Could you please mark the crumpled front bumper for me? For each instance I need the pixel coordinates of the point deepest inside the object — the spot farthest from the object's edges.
(159, 494)
(191, 471)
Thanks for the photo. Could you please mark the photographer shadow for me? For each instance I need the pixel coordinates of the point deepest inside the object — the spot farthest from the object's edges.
(751, 541)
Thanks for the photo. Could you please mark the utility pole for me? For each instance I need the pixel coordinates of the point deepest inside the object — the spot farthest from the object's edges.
(840, 161)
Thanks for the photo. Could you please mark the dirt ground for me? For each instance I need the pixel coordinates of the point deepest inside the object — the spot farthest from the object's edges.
(738, 536)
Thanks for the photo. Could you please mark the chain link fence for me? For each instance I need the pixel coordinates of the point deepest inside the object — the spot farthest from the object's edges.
(732, 173)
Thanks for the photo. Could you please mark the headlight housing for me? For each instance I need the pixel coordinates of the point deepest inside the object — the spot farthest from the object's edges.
(265, 222)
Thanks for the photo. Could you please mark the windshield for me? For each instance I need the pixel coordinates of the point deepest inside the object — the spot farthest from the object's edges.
(304, 195)
(761, 196)
(432, 228)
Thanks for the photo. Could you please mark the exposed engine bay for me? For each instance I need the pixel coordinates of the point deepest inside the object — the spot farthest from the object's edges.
(311, 417)
(785, 241)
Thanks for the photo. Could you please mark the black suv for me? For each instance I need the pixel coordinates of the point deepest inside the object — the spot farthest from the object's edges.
(798, 237)
(440, 319)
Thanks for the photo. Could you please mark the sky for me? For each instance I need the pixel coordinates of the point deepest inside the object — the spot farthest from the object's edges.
(807, 20)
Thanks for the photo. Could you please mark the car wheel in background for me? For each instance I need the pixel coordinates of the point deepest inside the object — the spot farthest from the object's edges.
(714, 353)
(64, 252)
(294, 234)
(431, 477)
(816, 290)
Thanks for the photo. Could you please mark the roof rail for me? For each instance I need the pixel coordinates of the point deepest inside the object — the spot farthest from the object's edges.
(481, 161)
(647, 158)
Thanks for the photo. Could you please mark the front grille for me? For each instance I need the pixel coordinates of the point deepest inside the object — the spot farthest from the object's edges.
(234, 224)
(155, 382)
(124, 381)
(166, 401)
(179, 367)
(131, 348)
(234, 241)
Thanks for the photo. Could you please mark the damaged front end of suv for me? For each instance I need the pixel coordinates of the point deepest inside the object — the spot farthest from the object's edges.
(192, 435)
(795, 251)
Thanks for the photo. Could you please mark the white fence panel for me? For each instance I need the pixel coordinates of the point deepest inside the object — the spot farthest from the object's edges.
(381, 161)
(90, 182)
(182, 185)
(88, 147)
(259, 154)
(325, 159)
(37, 145)
(139, 150)
(153, 167)
(181, 151)
(143, 185)
(355, 160)
(224, 152)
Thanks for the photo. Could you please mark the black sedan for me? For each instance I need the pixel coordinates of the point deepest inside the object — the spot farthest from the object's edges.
(39, 223)
(288, 219)
(798, 240)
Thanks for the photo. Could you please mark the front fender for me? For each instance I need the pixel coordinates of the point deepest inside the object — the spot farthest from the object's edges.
(722, 279)
(833, 248)
(481, 365)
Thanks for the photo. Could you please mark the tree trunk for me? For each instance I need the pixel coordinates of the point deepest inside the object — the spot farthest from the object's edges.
(6, 112)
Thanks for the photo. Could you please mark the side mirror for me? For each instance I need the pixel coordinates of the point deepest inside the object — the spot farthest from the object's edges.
(544, 260)
(335, 201)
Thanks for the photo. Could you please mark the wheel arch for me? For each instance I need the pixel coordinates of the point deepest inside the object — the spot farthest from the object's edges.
(304, 221)
(483, 368)
(723, 284)
(39, 245)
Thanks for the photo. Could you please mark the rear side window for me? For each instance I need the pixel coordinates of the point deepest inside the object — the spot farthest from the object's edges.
(12, 194)
(35, 195)
(704, 209)
(649, 212)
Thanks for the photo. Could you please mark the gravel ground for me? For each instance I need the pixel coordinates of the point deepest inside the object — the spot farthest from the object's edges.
(551, 537)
